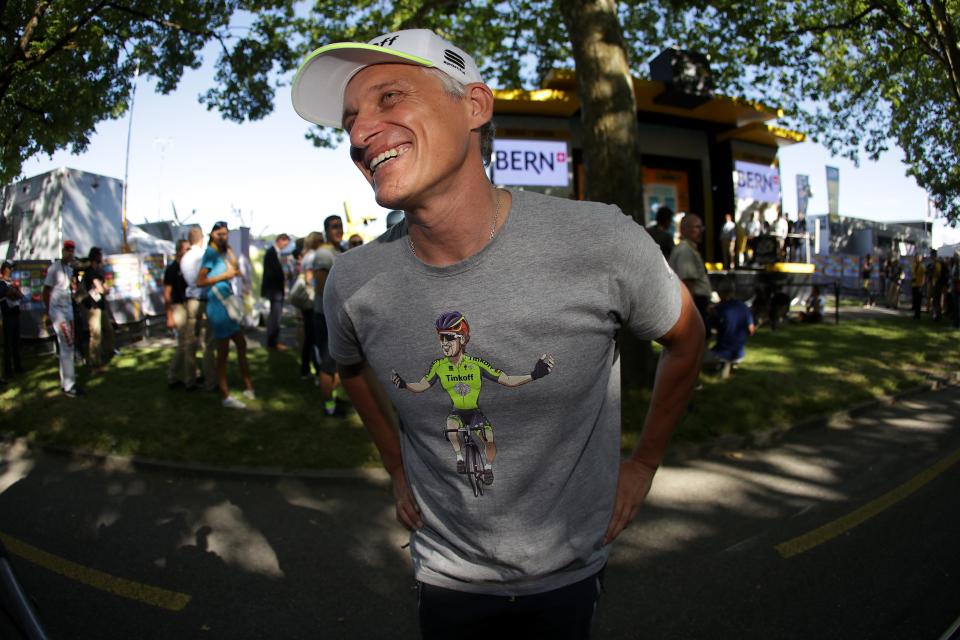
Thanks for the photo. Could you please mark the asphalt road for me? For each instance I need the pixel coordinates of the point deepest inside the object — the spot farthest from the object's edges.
(841, 532)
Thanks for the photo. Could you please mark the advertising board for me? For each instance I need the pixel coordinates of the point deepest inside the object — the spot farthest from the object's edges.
(531, 163)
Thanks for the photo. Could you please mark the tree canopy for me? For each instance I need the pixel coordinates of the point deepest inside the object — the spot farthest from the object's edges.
(67, 65)
(857, 75)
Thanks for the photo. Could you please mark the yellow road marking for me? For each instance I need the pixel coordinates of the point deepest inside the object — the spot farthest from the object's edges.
(155, 596)
(832, 529)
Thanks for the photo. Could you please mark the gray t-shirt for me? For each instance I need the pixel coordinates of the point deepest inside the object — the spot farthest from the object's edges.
(561, 278)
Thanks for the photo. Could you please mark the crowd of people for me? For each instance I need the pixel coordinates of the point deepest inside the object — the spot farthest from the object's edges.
(75, 299)
(202, 306)
(934, 284)
(205, 310)
(741, 243)
(730, 321)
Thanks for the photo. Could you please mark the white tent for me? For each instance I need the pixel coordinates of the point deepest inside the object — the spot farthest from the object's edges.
(948, 250)
(63, 204)
(143, 243)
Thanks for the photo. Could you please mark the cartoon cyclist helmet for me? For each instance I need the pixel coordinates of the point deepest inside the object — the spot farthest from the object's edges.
(453, 322)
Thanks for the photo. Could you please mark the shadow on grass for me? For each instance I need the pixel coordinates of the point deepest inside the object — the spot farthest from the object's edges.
(802, 371)
(129, 410)
(794, 373)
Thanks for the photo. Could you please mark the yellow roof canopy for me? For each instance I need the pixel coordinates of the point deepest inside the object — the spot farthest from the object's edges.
(558, 98)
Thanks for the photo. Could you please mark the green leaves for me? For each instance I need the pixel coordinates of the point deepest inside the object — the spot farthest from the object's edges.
(67, 65)
(857, 75)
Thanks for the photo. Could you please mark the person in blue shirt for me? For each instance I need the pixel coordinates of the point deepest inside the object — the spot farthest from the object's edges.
(734, 323)
(224, 311)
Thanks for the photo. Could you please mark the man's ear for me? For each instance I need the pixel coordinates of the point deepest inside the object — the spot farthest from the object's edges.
(481, 104)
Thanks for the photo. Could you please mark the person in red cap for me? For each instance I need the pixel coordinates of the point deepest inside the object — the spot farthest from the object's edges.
(58, 289)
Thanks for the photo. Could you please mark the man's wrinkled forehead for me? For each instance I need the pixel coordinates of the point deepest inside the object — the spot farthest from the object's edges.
(378, 78)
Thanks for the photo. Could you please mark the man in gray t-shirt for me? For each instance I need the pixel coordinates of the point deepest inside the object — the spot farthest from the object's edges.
(507, 272)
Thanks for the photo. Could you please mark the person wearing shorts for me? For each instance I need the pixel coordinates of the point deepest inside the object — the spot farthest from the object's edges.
(217, 268)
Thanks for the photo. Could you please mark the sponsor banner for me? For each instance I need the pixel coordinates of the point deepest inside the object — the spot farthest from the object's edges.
(756, 182)
(804, 193)
(122, 273)
(29, 275)
(153, 268)
(833, 193)
(531, 163)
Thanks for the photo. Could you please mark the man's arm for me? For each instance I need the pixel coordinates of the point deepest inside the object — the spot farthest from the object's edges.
(168, 305)
(676, 376)
(370, 402)
(46, 297)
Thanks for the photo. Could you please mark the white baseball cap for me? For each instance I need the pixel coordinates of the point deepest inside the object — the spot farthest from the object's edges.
(322, 79)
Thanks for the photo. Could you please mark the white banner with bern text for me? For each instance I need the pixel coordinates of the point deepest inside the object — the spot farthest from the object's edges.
(757, 182)
(535, 163)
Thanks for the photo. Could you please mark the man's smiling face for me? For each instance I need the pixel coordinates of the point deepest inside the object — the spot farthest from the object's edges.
(408, 136)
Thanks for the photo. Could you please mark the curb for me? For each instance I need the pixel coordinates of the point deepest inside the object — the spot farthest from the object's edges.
(720, 445)
(377, 476)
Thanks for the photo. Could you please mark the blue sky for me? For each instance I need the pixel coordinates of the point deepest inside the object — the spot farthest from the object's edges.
(181, 153)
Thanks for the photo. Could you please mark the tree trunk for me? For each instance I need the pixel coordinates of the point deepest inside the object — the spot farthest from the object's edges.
(947, 35)
(611, 148)
(611, 140)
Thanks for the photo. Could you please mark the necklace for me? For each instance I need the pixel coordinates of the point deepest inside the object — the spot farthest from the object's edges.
(493, 226)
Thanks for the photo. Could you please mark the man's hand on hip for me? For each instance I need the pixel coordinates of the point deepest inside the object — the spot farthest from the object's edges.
(408, 512)
(633, 485)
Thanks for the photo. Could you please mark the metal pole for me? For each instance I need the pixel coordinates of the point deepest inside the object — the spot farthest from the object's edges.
(836, 300)
(126, 167)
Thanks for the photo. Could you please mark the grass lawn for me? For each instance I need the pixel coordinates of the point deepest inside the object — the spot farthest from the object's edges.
(801, 371)
(788, 375)
(130, 410)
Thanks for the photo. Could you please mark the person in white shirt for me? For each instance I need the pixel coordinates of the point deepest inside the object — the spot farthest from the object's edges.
(58, 289)
(196, 306)
(752, 232)
(780, 230)
(728, 241)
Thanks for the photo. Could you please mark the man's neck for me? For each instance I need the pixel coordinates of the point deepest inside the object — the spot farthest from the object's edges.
(452, 226)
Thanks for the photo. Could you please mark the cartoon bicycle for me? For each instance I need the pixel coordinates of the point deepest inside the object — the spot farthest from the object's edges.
(461, 376)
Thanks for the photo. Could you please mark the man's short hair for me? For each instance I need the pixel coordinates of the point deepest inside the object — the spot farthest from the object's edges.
(328, 221)
(182, 241)
(195, 235)
(96, 253)
(664, 216)
(284, 237)
(726, 287)
(6, 265)
(458, 90)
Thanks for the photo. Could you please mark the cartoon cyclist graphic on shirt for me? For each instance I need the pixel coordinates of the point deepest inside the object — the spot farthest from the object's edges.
(461, 377)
